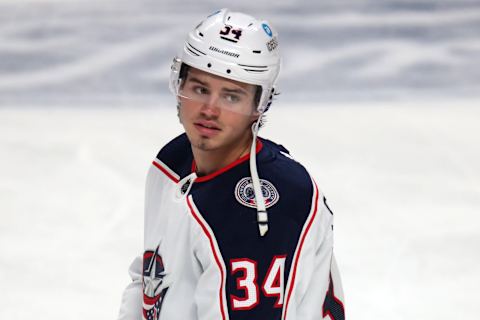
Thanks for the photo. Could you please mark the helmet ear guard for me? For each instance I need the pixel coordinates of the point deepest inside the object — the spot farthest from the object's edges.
(270, 96)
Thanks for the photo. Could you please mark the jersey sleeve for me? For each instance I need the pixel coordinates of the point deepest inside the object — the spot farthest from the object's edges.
(131, 305)
(320, 294)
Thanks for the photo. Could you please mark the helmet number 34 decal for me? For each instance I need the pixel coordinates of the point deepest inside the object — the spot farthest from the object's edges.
(230, 34)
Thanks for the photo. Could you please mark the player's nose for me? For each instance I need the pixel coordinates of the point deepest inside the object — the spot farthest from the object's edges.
(210, 107)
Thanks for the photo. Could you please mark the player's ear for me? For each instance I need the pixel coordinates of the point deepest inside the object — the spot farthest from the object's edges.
(255, 115)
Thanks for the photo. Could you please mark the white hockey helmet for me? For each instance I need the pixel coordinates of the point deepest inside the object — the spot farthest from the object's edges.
(236, 46)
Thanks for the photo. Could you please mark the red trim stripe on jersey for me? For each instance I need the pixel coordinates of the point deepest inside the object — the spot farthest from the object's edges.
(212, 175)
(216, 255)
(166, 170)
(298, 254)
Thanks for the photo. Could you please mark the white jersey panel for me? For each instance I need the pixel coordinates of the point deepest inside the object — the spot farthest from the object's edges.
(194, 268)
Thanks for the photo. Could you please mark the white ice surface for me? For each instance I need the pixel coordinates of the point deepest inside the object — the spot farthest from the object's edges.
(403, 181)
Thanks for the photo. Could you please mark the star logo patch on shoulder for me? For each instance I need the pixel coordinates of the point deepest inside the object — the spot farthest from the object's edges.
(245, 194)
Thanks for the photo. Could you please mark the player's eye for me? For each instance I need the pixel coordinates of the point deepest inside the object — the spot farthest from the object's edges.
(232, 98)
(200, 90)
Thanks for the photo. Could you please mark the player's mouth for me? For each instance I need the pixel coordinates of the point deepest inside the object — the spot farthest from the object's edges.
(207, 128)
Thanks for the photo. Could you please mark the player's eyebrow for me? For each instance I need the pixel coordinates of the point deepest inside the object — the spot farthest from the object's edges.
(193, 79)
(239, 91)
(228, 90)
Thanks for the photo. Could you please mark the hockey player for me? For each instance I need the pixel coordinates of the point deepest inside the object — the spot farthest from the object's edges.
(234, 227)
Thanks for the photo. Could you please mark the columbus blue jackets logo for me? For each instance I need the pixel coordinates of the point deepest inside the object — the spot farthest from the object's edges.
(154, 289)
(246, 195)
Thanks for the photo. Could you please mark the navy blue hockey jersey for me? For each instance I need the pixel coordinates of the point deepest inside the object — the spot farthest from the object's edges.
(204, 257)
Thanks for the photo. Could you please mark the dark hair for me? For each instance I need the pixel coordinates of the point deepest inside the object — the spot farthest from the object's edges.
(184, 71)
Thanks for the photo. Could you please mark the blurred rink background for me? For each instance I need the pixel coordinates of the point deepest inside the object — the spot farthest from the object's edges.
(380, 100)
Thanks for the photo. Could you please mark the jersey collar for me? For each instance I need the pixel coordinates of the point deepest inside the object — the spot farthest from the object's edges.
(212, 175)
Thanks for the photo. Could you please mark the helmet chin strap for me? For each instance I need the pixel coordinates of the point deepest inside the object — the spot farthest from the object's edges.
(262, 215)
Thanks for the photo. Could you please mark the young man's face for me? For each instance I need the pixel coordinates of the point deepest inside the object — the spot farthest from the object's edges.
(216, 112)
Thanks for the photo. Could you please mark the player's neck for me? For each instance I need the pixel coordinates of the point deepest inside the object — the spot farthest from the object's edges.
(209, 161)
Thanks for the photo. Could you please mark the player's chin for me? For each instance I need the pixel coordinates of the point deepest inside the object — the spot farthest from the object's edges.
(205, 145)
(204, 142)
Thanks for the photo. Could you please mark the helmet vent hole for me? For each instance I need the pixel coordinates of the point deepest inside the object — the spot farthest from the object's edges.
(257, 51)
(250, 24)
(228, 19)
(228, 70)
(209, 65)
(200, 34)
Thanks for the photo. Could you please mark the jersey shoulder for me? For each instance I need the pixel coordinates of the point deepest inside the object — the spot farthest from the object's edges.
(177, 155)
(277, 163)
(292, 181)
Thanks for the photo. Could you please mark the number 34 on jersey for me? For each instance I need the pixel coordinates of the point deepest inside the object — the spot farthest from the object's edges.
(245, 271)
